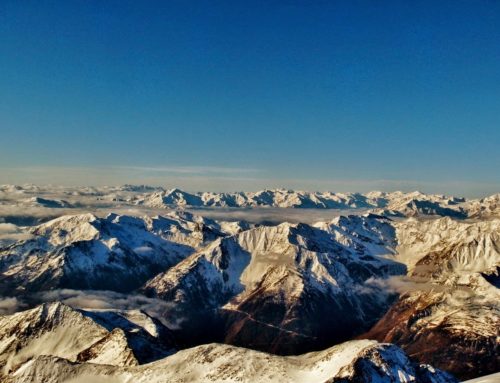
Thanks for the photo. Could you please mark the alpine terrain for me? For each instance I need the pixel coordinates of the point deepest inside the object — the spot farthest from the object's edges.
(136, 283)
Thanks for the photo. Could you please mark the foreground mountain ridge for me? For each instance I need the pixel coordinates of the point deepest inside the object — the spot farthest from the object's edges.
(123, 338)
(355, 361)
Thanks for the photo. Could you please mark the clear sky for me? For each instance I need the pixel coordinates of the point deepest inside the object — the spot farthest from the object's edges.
(231, 95)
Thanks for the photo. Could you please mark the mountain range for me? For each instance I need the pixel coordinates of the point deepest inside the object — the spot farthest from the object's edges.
(400, 204)
(117, 296)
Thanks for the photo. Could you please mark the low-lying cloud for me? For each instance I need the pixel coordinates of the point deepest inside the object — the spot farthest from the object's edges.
(10, 233)
(10, 305)
(401, 284)
(270, 215)
(110, 300)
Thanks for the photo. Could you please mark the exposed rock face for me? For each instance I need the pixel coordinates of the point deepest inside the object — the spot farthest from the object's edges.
(281, 288)
(113, 344)
(432, 329)
(451, 316)
(377, 364)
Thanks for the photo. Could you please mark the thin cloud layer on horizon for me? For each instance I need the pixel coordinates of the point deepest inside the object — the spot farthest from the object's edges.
(187, 169)
(226, 179)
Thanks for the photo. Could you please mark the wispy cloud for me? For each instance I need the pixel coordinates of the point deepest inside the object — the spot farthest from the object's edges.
(402, 284)
(198, 170)
(111, 300)
(10, 305)
(10, 233)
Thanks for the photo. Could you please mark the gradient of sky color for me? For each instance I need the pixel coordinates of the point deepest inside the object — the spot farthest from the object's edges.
(246, 94)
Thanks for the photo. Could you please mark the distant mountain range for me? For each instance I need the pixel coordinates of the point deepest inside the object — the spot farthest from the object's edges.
(394, 204)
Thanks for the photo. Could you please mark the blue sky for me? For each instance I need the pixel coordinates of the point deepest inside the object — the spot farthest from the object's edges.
(230, 95)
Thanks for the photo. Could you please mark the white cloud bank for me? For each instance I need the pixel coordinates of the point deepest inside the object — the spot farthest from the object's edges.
(10, 233)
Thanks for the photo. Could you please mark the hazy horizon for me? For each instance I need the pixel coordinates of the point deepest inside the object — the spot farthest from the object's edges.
(203, 179)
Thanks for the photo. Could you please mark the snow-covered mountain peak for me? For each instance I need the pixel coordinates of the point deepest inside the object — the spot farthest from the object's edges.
(469, 244)
(110, 337)
(266, 274)
(85, 251)
(394, 203)
(403, 204)
(67, 229)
